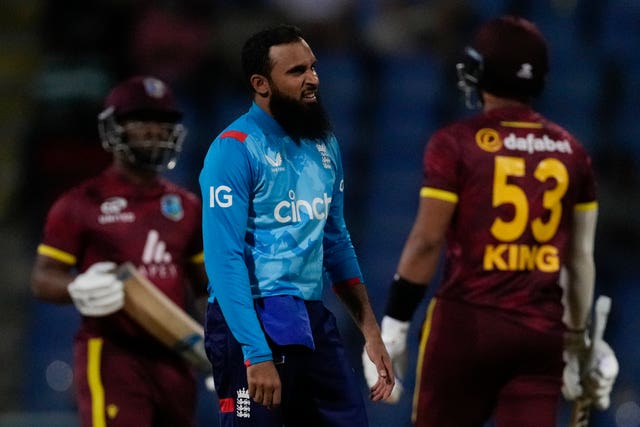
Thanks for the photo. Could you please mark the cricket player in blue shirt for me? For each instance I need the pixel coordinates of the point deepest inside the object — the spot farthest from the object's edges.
(274, 231)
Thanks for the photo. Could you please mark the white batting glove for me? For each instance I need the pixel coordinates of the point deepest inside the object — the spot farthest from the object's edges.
(97, 291)
(589, 372)
(394, 337)
(600, 374)
(576, 348)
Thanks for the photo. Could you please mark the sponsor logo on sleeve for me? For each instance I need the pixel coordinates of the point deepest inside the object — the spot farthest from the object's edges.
(220, 196)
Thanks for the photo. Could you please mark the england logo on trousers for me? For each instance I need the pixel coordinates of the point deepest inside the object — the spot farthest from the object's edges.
(243, 404)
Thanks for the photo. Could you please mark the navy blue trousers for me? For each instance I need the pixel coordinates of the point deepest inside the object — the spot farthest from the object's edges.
(319, 387)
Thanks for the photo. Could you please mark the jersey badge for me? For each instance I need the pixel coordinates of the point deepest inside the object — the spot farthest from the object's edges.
(171, 207)
(326, 159)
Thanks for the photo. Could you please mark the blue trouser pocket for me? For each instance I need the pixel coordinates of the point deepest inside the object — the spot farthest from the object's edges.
(285, 320)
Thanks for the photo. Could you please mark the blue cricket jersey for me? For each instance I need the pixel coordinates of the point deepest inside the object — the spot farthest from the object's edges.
(272, 222)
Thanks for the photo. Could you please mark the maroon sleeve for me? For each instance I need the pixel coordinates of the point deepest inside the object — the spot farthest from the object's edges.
(63, 228)
(587, 188)
(440, 162)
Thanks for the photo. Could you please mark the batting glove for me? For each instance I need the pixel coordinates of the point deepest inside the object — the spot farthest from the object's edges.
(600, 374)
(394, 337)
(576, 349)
(97, 291)
(590, 371)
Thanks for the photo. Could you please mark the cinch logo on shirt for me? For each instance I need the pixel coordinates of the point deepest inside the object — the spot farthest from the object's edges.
(293, 210)
(220, 196)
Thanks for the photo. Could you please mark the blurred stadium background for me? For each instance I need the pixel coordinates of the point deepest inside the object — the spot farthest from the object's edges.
(387, 79)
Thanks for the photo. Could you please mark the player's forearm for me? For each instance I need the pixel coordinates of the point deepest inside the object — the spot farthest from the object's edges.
(49, 281)
(581, 268)
(421, 252)
(51, 287)
(419, 260)
(236, 303)
(356, 300)
(580, 288)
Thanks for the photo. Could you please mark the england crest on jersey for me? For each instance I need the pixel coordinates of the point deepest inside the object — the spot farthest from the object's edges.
(171, 207)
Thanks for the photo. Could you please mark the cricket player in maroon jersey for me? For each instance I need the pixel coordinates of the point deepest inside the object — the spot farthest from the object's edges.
(123, 376)
(512, 197)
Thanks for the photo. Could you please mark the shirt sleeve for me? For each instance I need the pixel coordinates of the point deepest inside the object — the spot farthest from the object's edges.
(340, 261)
(226, 185)
(588, 191)
(440, 163)
(62, 236)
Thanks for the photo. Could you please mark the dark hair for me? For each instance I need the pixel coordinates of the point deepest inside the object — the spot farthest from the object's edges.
(255, 52)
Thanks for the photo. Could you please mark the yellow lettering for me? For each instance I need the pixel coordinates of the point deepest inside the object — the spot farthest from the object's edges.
(527, 257)
(513, 257)
(493, 257)
(547, 259)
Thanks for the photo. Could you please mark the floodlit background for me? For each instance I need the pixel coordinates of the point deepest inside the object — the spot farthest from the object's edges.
(387, 79)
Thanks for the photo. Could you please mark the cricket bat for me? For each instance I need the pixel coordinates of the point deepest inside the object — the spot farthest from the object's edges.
(162, 318)
(582, 407)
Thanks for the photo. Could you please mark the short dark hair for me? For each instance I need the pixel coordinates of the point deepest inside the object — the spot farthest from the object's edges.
(255, 52)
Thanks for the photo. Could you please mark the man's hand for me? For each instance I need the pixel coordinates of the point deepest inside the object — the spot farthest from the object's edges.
(264, 384)
(394, 337)
(576, 349)
(600, 374)
(97, 291)
(378, 370)
(589, 376)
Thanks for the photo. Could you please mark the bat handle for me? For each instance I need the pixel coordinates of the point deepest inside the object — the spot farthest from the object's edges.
(602, 308)
(580, 413)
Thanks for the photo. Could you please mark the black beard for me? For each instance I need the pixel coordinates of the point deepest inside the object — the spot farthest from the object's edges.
(299, 120)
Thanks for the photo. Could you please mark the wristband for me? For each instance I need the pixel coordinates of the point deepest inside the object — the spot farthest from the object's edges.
(404, 298)
(576, 340)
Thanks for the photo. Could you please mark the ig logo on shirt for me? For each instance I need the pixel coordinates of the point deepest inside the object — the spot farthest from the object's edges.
(220, 196)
